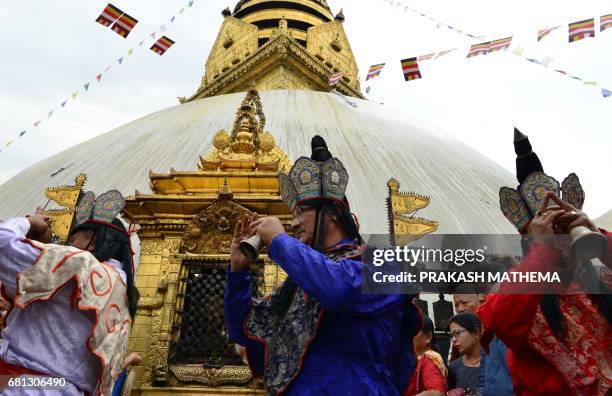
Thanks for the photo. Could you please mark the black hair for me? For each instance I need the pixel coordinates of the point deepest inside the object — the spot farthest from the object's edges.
(468, 321)
(428, 326)
(114, 243)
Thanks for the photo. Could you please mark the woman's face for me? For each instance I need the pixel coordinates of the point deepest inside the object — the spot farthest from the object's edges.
(462, 339)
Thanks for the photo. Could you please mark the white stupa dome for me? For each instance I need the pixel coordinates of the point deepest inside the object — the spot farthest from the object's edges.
(375, 143)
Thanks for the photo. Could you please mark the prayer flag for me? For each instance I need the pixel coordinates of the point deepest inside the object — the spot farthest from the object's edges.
(124, 25)
(22, 133)
(190, 4)
(576, 78)
(501, 44)
(99, 77)
(334, 79)
(425, 57)
(109, 15)
(479, 49)
(547, 60)
(120, 60)
(533, 60)
(86, 86)
(162, 28)
(130, 51)
(152, 35)
(410, 68)
(605, 92)
(181, 11)
(74, 95)
(562, 72)
(64, 103)
(581, 29)
(545, 32)
(9, 143)
(442, 53)
(172, 19)
(50, 113)
(107, 69)
(518, 51)
(605, 22)
(375, 71)
(368, 90)
(36, 123)
(162, 45)
(592, 83)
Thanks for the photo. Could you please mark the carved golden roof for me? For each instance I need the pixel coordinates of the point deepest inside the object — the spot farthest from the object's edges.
(292, 44)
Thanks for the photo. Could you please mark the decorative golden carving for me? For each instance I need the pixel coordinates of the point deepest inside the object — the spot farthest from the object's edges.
(68, 197)
(226, 375)
(212, 229)
(243, 148)
(329, 41)
(401, 207)
(405, 203)
(281, 63)
(156, 302)
(156, 361)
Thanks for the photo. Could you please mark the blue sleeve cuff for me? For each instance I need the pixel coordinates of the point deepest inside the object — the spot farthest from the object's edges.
(277, 244)
(237, 276)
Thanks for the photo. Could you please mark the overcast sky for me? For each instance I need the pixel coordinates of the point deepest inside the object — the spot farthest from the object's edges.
(51, 48)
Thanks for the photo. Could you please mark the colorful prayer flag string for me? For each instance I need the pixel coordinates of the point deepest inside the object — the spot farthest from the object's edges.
(122, 24)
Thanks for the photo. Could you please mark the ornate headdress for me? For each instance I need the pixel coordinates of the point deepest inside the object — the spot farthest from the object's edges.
(310, 180)
(520, 205)
(103, 209)
(320, 182)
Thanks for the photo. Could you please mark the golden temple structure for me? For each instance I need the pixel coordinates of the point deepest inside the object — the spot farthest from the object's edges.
(293, 44)
(228, 155)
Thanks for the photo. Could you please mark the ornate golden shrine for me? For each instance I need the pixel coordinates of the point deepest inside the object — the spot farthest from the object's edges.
(298, 46)
(187, 224)
(401, 207)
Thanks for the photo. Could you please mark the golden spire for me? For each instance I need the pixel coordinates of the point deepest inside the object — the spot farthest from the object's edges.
(297, 47)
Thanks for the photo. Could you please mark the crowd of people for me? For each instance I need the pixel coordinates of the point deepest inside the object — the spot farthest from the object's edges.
(318, 333)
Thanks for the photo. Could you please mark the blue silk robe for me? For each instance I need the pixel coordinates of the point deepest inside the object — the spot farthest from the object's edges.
(363, 342)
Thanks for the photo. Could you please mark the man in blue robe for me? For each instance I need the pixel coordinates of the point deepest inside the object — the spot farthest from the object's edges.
(318, 334)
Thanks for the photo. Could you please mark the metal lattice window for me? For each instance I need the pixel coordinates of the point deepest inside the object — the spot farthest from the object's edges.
(203, 337)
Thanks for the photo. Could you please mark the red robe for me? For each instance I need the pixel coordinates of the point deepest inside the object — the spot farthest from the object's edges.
(429, 375)
(540, 364)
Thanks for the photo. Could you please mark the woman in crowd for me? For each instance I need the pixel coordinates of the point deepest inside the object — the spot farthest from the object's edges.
(429, 377)
(465, 332)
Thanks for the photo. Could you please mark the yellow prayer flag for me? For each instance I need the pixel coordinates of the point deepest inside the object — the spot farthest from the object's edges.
(130, 51)
(74, 95)
(518, 51)
(593, 83)
(8, 143)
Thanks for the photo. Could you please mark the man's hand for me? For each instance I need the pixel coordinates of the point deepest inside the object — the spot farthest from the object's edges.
(267, 228)
(542, 226)
(39, 227)
(238, 260)
(572, 217)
